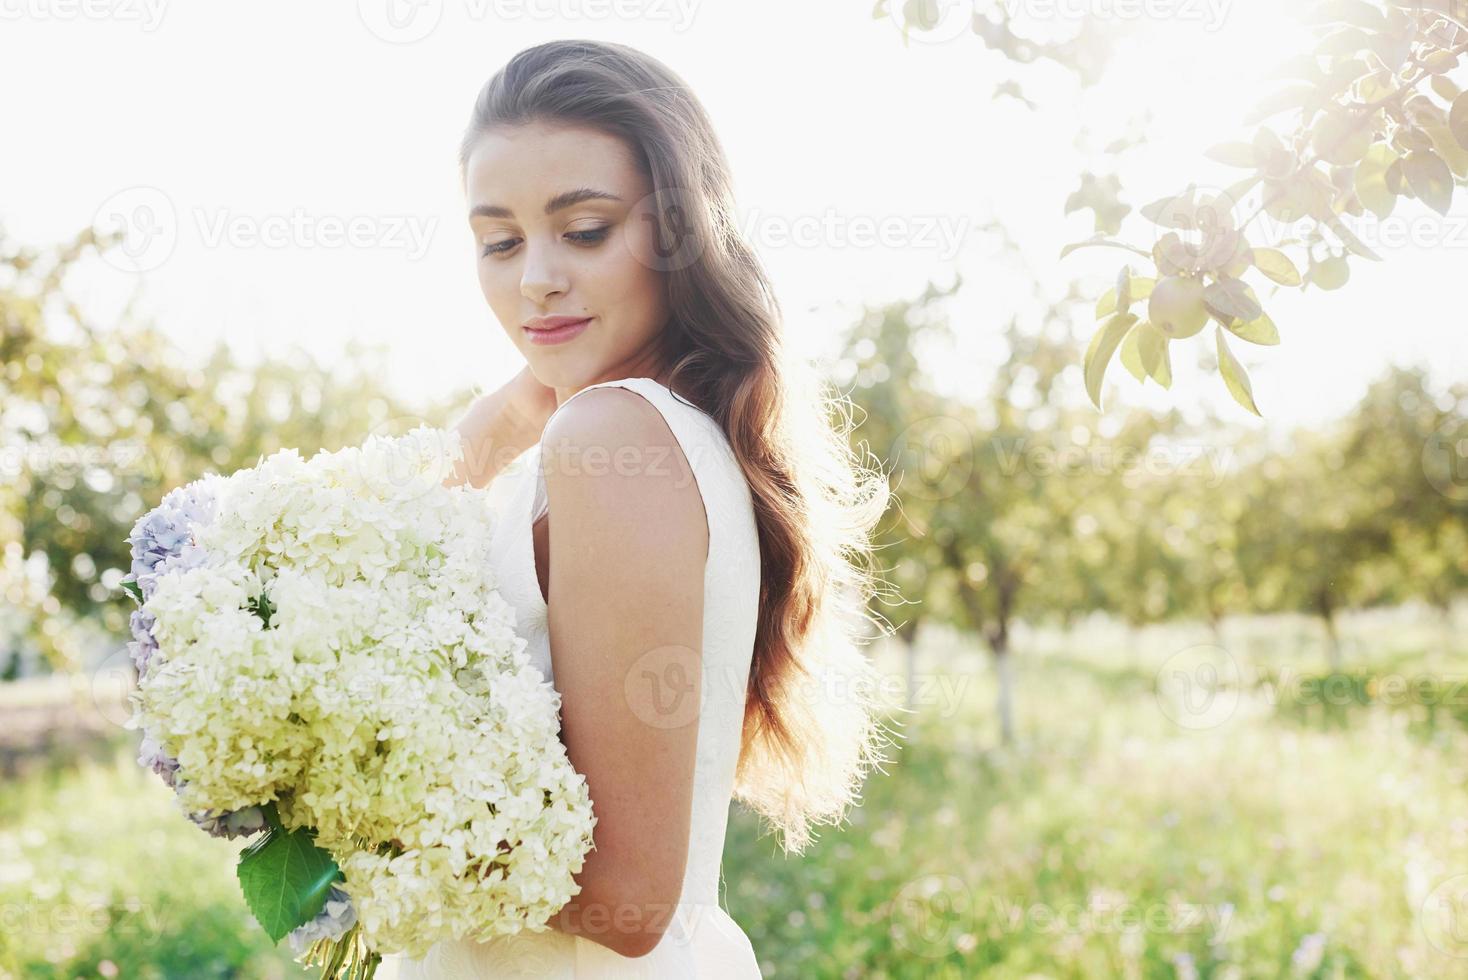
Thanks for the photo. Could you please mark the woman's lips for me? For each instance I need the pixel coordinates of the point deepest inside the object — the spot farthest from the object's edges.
(557, 335)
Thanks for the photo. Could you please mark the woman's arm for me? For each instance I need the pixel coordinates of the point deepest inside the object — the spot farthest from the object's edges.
(500, 426)
(628, 545)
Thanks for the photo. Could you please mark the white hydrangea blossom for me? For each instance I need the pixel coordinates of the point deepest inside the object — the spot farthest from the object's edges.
(389, 702)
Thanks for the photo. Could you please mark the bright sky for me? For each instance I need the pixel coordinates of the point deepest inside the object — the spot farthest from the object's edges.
(221, 127)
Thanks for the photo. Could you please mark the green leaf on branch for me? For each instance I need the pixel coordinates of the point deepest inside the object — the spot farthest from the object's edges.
(1344, 42)
(1377, 86)
(1098, 355)
(1192, 211)
(1341, 137)
(1371, 186)
(1141, 288)
(285, 878)
(1447, 147)
(1131, 355)
(1144, 354)
(1345, 73)
(1458, 120)
(1276, 265)
(1343, 231)
(1235, 378)
(1152, 351)
(1392, 48)
(1230, 299)
(1330, 273)
(1260, 330)
(1430, 179)
(1173, 256)
(1357, 12)
(1440, 62)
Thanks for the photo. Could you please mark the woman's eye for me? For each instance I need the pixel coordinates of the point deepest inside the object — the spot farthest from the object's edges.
(589, 236)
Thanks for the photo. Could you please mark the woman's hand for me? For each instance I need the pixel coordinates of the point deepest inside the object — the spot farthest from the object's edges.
(500, 426)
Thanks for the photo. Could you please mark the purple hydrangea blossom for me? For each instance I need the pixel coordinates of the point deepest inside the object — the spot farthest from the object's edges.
(143, 645)
(332, 922)
(231, 823)
(226, 823)
(152, 756)
(163, 541)
(163, 538)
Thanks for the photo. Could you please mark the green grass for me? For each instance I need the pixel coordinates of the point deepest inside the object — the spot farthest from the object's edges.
(1109, 841)
(1269, 844)
(101, 875)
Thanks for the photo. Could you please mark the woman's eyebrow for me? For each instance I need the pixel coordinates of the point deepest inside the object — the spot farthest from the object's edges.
(557, 203)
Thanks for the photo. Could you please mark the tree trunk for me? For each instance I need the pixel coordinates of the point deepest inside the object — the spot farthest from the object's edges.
(1445, 623)
(1004, 701)
(1332, 639)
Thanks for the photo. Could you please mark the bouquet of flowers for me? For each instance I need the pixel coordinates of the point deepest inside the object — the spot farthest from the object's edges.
(323, 661)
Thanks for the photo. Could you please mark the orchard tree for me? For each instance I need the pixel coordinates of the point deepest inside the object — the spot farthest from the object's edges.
(1309, 533)
(1006, 531)
(1398, 437)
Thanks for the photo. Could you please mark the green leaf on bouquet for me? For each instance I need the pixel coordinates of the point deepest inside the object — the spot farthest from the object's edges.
(133, 589)
(285, 877)
(262, 607)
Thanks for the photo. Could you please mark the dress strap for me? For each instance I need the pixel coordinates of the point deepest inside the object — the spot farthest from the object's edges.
(698, 434)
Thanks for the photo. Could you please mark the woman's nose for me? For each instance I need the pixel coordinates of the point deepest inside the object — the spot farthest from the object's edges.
(543, 275)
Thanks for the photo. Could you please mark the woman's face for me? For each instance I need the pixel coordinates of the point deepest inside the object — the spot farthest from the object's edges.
(563, 226)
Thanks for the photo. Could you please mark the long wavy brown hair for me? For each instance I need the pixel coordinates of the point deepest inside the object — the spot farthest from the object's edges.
(812, 726)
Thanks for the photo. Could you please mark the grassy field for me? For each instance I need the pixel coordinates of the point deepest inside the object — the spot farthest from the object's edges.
(1273, 828)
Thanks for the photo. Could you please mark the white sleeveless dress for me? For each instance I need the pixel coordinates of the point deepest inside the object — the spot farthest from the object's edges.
(702, 941)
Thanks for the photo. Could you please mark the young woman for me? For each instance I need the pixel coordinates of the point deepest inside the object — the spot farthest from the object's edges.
(686, 544)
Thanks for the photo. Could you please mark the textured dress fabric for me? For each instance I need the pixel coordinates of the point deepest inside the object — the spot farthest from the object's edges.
(702, 941)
